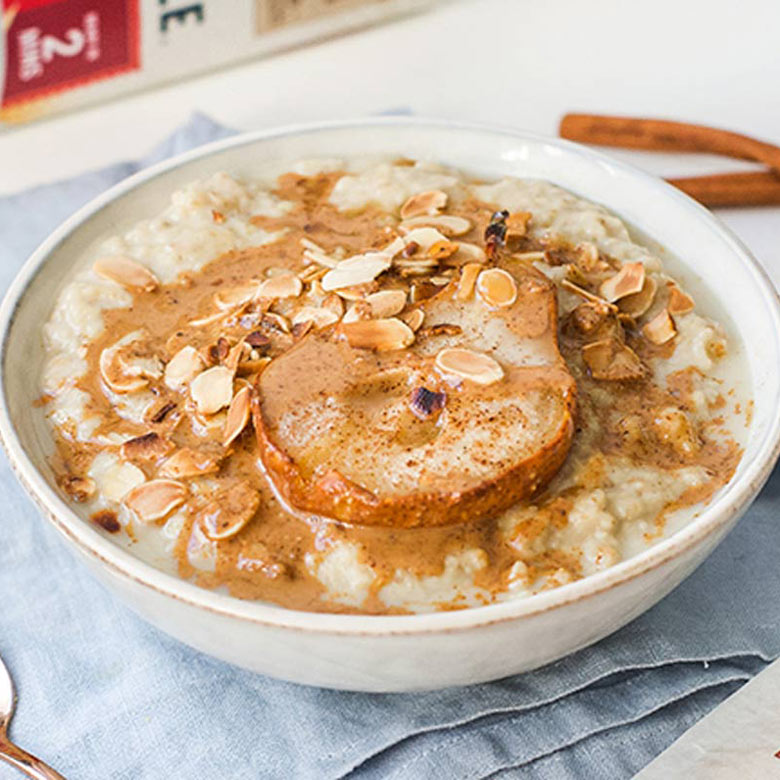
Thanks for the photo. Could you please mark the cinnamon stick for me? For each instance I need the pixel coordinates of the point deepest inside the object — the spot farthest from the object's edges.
(761, 188)
(665, 136)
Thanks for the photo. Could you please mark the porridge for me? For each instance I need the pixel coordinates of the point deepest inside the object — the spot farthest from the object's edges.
(385, 387)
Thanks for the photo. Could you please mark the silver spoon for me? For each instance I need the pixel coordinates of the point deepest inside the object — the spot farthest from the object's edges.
(15, 756)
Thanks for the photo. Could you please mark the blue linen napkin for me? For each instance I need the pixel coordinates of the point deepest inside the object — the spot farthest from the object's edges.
(104, 695)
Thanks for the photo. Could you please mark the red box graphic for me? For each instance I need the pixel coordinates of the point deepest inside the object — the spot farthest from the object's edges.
(52, 45)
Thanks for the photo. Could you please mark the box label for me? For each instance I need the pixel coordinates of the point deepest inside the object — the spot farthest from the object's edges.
(53, 45)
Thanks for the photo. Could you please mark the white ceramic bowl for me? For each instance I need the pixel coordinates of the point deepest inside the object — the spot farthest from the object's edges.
(396, 653)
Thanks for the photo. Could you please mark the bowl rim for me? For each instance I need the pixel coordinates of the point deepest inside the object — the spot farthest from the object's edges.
(733, 500)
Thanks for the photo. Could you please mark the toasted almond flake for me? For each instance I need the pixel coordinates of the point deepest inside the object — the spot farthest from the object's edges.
(208, 425)
(627, 281)
(127, 272)
(237, 416)
(113, 374)
(442, 249)
(588, 257)
(334, 303)
(468, 364)
(78, 488)
(450, 225)
(660, 329)
(209, 319)
(277, 322)
(517, 223)
(187, 462)
(528, 257)
(468, 278)
(236, 296)
(424, 203)
(357, 293)
(386, 303)
(149, 446)
(679, 302)
(318, 316)
(149, 367)
(382, 335)
(413, 319)
(253, 366)
(359, 310)
(612, 360)
(183, 367)
(312, 273)
(229, 512)
(417, 268)
(356, 270)
(496, 287)
(415, 244)
(285, 285)
(637, 304)
(212, 389)
(588, 296)
(469, 253)
(421, 290)
(235, 355)
(155, 499)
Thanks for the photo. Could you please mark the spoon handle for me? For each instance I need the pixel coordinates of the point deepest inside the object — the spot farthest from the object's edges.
(29, 764)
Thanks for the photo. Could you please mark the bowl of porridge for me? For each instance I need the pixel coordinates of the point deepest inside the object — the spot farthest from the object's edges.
(392, 404)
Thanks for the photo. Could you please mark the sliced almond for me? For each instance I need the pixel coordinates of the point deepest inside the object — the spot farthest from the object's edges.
(386, 303)
(210, 319)
(356, 270)
(382, 335)
(286, 285)
(237, 416)
(78, 488)
(467, 364)
(150, 446)
(155, 499)
(612, 360)
(424, 203)
(586, 294)
(235, 355)
(236, 296)
(188, 463)
(356, 293)
(318, 316)
(229, 512)
(183, 367)
(277, 322)
(468, 278)
(450, 225)
(496, 287)
(442, 249)
(113, 374)
(413, 318)
(212, 389)
(517, 224)
(470, 253)
(627, 281)
(589, 258)
(126, 272)
(660, 329)
(637, 304)
(679, 302)
(334, 303)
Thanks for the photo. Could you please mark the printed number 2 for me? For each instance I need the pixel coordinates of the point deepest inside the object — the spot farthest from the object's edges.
(71, 47)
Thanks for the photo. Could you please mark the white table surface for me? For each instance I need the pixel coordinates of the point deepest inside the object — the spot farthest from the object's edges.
(521, 63)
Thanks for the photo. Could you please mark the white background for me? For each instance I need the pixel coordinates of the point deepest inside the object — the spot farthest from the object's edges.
(521, 63)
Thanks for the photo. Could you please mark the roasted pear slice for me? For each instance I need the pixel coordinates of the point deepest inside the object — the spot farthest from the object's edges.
(472, 416)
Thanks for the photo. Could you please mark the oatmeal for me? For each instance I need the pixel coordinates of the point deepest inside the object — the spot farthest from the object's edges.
(385, 388)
